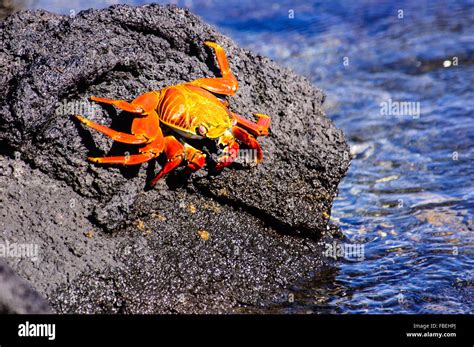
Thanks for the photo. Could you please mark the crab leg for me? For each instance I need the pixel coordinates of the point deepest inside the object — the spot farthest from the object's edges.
(141, 105)
(144, 129)
(116, 135)
(174, 152)
(249, 140)
(256, 129)
(230, 152)
(227, 84)
(195, 158)
(121, 104)
(150, 151)
(133, 159)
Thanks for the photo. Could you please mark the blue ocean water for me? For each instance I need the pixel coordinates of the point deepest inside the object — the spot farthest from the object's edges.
(398, 77)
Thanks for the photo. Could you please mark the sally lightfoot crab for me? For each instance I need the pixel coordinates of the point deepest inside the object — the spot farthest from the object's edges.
(192, 111)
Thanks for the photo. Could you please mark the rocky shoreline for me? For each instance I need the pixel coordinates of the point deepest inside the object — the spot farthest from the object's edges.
(106, 243)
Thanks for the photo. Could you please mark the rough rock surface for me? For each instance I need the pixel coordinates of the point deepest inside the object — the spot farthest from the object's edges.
(17, 296)
(108, 244)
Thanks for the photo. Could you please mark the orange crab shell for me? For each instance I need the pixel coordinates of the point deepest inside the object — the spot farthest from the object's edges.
(193, 112)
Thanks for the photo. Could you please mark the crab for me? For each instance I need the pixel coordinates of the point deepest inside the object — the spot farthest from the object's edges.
(192, 110)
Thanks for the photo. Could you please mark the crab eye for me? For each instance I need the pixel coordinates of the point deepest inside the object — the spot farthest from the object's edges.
(201, 130)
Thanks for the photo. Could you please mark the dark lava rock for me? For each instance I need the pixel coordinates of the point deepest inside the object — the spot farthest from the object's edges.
(17, 296)
(107, 243)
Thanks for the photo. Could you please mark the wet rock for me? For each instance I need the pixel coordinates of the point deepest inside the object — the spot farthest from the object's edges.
(148, 254)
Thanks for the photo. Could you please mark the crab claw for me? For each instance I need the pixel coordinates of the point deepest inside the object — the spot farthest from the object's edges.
(230, 151)
(195, 158)
(248, 139)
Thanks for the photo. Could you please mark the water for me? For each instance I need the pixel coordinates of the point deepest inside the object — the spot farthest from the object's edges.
(409, 195)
